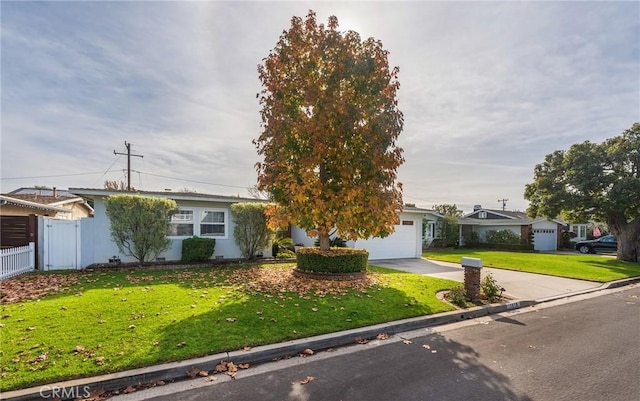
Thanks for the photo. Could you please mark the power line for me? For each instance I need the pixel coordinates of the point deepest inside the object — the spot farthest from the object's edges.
(195, 181)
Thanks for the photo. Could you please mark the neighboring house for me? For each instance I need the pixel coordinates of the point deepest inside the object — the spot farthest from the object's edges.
(404, 242)
(202, 215)
(547, 233)
(58, 204)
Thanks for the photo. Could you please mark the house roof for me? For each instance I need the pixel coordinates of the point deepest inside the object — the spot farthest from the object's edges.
(10, 200)
(43, 192)
(413, 209)
(192, 196)
(509, 215)
(49, 197)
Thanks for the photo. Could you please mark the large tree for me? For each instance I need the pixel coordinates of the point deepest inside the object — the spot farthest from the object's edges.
(330, 122)
(594, 181)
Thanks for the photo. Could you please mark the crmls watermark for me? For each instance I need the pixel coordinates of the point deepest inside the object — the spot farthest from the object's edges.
(64, 393)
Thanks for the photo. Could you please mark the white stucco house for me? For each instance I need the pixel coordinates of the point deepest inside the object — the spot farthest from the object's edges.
(209, 216)
(201, 215)
(547, 233)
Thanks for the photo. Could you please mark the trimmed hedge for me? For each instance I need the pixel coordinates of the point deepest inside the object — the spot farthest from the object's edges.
(196, 249)
(502, 247)
(336, 260)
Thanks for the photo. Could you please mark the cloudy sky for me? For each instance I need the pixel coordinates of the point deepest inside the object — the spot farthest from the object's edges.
(487, 89)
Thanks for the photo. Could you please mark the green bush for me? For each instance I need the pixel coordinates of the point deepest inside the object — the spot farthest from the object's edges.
(502, 237)
(458, 296)
(471, 239)
(285, 253)
(502, 247)
(490, 289)
(197, 249)
(335, 260)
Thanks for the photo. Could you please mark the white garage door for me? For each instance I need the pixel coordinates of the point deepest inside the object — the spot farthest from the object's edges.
(403, 243)
(544, 239)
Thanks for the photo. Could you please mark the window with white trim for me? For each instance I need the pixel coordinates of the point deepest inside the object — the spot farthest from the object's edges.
(181, 224)
(213, 223)
(482, 215)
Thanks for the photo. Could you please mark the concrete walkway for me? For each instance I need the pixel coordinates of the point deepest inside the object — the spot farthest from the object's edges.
(517, 285)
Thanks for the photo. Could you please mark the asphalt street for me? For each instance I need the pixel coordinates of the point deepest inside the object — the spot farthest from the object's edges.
(569, 350)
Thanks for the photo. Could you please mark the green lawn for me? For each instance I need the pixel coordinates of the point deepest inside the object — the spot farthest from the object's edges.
(114, 320)
(584, 267)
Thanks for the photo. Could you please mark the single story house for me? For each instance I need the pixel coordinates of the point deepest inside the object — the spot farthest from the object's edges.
(202, 215)
(405, 242)
(58, 204)
(206, 215)
(547, 233)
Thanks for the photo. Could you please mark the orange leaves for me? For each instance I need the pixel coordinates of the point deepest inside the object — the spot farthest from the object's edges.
(331, 122)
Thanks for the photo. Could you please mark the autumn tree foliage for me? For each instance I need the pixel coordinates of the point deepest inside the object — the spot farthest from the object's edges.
(594, 181)
(330, 122)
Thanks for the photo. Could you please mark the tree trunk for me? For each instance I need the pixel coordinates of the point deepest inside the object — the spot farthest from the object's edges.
(325, 241)
(628, 236)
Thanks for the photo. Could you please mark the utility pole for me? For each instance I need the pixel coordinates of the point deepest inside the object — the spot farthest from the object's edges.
(128, 146)
(504, 203)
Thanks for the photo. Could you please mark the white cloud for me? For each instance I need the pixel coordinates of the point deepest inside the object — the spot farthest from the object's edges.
(487, 88)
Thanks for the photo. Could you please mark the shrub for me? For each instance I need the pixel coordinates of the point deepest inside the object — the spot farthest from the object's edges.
(504, 247)
(250, 232)
(471, 239)
(490, 289)
(197, 249)
(139, 224)
(502, 237)
(335, 260)
(285, 253)
(281, 244)
(458, 296)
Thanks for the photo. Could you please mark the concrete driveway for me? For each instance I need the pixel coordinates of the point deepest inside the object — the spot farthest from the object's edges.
(517, 285)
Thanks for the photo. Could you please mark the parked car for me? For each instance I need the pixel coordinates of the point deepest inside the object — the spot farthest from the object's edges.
(607, 243)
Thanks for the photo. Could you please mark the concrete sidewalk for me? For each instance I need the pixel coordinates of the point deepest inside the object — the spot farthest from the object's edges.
(517, 285)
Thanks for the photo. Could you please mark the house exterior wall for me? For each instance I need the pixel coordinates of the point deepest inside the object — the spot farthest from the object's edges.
(406, 242)
(104, 247)
(13, 210)
(482, 230)
(78, 211)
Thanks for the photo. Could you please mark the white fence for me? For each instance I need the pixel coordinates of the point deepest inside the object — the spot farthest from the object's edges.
(17, 260)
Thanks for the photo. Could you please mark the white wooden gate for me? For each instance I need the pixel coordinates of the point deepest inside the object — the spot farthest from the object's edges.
(61, 244)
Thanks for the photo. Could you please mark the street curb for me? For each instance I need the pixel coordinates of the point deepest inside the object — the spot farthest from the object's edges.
(174, 371)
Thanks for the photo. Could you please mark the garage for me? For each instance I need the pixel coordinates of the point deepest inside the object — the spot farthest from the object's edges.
(403, 243)
(545, 239)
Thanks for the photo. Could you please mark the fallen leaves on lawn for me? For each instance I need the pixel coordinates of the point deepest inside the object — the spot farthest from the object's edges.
(35, 286)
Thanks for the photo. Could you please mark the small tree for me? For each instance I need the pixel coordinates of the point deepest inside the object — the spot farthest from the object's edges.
(250, 232)
(139, 224)
(447, 229)
(447, 209)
